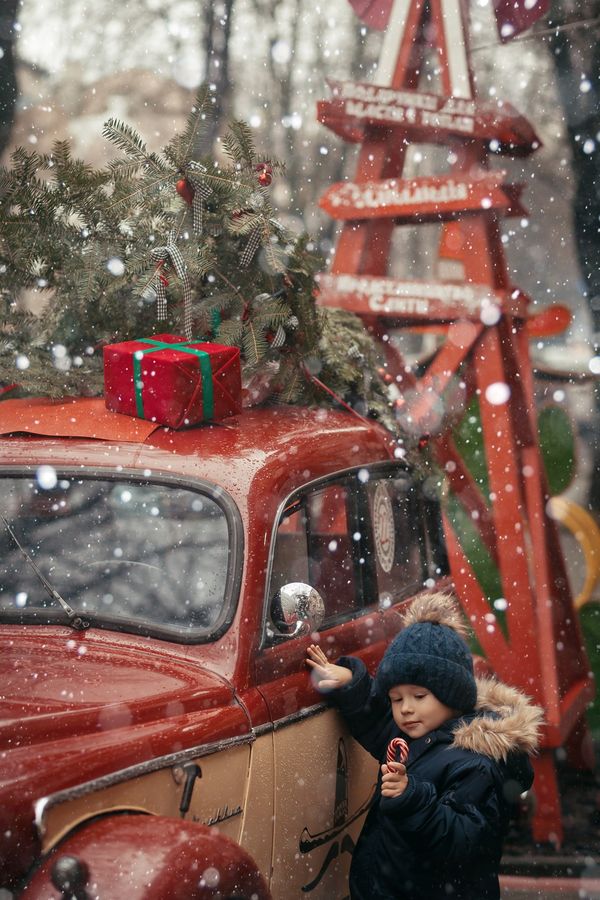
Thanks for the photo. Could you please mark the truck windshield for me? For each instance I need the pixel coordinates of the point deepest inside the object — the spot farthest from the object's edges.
(134, 555)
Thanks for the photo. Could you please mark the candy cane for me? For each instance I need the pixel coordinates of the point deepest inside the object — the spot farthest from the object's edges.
(397, 746)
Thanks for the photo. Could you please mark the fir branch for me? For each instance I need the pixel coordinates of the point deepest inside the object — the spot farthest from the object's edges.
(230, 284)
(60, 155)
(229, 332)
(254, 343)
(238, 143)
(62, 223)
(75, 171)
(124, 169)
(131, 144)
(244, 221)
(183, 146)
(271, 313)
(140, 193)
(293, 384)
(205, 261)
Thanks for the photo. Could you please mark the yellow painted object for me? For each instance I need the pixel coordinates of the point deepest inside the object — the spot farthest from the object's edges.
(587, 533)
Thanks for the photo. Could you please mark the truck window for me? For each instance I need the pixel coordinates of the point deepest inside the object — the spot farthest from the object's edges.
(127, 553)
(314, 544)
(399, 540)
(359, 541)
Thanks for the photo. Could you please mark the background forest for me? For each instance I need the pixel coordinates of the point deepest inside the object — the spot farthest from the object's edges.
(65, 68)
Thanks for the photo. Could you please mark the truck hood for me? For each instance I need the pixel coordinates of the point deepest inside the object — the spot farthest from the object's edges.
(76, 706)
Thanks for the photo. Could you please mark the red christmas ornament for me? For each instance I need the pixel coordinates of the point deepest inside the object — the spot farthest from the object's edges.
(423, 441)
(265, 174)
(185, 190)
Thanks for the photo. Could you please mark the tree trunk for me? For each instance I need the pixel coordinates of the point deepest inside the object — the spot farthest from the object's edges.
(576, 55)
(216, 53)
(8, 78)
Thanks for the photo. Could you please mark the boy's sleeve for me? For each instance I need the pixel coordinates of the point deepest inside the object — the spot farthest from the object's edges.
(459, 825)
(367, 714)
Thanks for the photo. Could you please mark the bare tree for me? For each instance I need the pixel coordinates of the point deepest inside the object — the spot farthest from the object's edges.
(8, 77)
(575, 49)
(216, 52)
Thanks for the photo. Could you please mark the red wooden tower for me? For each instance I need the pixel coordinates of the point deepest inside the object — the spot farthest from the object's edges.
(530, 635)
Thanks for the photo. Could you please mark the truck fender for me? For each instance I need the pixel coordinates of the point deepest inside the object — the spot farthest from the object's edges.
(142, 857)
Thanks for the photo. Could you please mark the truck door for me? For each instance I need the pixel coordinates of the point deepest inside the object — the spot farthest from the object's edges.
(358, 539)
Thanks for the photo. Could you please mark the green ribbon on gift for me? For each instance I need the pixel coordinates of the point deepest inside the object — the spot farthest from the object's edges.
(208, 402)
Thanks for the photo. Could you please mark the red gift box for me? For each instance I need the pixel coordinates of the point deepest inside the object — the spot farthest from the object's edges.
(170, 380)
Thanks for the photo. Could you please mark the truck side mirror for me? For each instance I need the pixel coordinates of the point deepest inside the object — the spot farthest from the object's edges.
(296, 608)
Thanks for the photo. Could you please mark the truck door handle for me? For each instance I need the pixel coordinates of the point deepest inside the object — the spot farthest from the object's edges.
(191, 772)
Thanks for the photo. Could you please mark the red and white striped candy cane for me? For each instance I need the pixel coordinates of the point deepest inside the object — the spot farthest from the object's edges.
(397, 747)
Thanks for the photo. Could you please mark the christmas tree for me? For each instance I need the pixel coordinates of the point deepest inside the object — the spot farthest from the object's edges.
(173, 242)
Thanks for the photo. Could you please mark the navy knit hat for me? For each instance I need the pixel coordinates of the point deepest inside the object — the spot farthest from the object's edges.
(431, 652)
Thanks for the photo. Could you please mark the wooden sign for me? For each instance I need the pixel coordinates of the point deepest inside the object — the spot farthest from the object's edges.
(431, 199)
(486, 332)
(429, 301)
(426, 118)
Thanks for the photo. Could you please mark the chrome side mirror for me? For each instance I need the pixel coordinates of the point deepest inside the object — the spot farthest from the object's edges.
(296, 609)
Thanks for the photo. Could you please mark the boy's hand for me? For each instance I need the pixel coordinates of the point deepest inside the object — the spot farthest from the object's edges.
(326, 676)
(395, 779)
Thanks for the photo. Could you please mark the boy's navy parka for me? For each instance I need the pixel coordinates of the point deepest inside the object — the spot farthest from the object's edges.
(442, 838)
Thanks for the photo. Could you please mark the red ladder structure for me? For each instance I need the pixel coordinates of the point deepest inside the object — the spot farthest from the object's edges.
(536, 643)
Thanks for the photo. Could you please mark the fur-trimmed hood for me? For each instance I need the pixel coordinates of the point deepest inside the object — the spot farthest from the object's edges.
(504, 721)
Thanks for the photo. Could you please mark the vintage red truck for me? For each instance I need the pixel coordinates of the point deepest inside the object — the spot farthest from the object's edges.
(160, 734)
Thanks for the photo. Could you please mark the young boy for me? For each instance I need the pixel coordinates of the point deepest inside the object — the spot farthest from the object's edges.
(436, 827)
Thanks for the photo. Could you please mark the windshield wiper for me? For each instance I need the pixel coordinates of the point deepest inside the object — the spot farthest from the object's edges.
(75, 619)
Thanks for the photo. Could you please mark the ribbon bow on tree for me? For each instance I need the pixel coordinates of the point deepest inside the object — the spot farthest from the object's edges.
(201, 193)
(170, 254)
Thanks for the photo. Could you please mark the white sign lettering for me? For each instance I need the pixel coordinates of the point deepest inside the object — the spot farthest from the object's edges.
(389, 295)
(360, 109)
(397, 193)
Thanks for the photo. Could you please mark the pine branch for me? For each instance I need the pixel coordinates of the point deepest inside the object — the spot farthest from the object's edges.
(254, 343)
(85, 237)
(139, 195)
(244, 222)
(293, 385)
(41, 376)
(131, 144)
(230, 332)
(124, 169)
(238, 143)
(182, 147)
(60, 155)
(271, 313)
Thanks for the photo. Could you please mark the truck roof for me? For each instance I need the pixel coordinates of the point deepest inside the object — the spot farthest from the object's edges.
(281, 444)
